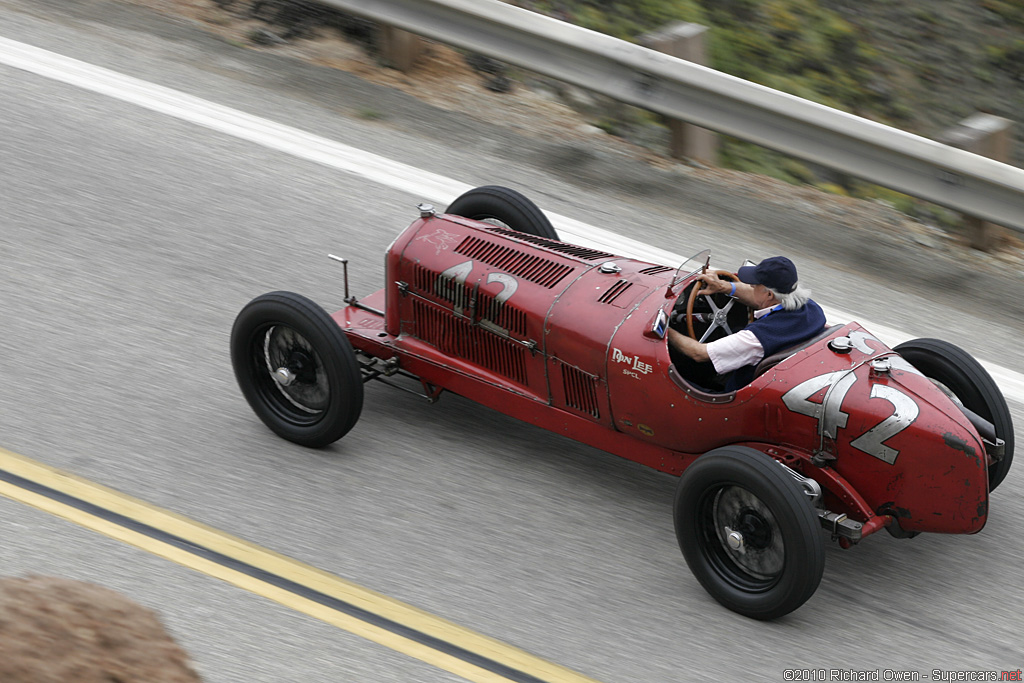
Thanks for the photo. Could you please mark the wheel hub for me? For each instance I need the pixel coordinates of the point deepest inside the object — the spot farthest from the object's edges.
(295, 371)
(734, 539)
(284, 377)
(745, 528)
(756, 532)
(299, 368)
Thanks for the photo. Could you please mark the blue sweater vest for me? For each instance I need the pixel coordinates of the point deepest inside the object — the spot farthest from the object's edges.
(777, 331)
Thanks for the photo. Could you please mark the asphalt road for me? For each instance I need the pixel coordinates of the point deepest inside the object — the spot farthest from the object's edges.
(129, 240)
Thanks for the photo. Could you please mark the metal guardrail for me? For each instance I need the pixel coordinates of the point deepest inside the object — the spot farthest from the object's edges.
(966, 182)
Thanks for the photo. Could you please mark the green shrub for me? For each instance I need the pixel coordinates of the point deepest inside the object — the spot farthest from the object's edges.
(1008, 57)
(751, 158)
(796, 46)
(1011, 11)
(628, 20)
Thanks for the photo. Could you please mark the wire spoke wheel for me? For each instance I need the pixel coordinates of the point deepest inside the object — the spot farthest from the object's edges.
(748, 532)
(296, 369)
(750, 548)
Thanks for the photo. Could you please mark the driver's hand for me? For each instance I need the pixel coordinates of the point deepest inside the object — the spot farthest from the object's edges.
(714, 284)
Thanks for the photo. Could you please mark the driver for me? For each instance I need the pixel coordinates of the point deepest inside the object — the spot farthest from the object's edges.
(784, 315)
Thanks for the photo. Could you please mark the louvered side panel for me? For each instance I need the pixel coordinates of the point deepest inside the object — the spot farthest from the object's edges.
(580, 390)
(429, 282)
(456, 337)
(501, 314)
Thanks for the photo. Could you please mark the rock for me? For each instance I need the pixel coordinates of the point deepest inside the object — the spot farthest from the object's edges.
(494, 73)
(56, 630)
(484, 64)
(262, 36)
(499, 83)
(580, 100)
(924, 240)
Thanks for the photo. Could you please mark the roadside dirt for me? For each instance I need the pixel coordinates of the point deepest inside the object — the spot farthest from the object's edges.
(55, 631)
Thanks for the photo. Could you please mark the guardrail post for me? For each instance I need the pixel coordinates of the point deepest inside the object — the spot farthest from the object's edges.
(988, 136)
(686, 41)
(400, 49)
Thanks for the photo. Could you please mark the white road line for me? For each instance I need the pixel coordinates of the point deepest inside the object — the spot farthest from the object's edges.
(418, 183)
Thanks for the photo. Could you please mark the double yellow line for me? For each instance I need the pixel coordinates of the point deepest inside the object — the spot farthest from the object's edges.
(295, 585)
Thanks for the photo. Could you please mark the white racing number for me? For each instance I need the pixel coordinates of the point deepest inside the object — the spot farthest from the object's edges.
(828, 412)
(509, 285)
(456, 277)
(859, 339)
(905, 411)
(451, 284)
(831, 417)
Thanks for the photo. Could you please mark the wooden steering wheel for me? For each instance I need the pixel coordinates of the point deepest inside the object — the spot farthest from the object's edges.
(719, 314)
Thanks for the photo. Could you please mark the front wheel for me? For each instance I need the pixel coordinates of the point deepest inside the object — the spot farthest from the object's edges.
(297, 369)
(748, 532)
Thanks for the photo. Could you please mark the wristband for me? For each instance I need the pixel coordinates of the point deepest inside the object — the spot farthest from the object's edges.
(733, 292)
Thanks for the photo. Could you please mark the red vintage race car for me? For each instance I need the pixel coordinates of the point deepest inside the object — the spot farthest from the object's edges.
(838, 437)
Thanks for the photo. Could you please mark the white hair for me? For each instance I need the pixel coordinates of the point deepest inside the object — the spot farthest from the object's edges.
(794, 300)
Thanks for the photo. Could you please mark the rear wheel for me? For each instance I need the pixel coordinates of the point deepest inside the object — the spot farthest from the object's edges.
(296, 369)
(748, 532)
(506, 207)
(954, 369)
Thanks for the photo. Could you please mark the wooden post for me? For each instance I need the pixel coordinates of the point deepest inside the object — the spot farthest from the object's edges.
(686, 41)
(988, 136)
(400, 49)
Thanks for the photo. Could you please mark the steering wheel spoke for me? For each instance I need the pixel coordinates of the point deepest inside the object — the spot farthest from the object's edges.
(711, 328)
(719, 314)
(719, 320)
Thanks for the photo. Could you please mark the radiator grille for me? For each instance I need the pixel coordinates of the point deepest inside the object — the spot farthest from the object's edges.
(580, 390)
(544, 272)
(458, 338)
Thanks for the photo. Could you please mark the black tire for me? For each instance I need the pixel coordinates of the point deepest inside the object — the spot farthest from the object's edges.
(504, 205)
(324, 394)
(959, 372)
(782, 557)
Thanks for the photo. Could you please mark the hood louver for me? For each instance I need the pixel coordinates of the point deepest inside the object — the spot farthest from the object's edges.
(542, 271)
(584, 253)
(614, 292)
(656, 270)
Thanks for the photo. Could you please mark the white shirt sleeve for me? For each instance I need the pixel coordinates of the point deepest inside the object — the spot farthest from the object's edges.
(734, 351)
